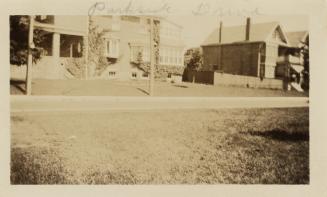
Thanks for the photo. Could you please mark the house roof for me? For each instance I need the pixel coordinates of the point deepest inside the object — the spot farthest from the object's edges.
(295, 38)
(258, 32)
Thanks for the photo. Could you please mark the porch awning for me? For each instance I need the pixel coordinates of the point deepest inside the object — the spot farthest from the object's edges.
(297, 68)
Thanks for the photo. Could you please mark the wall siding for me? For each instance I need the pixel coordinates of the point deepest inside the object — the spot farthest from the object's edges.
(271, 59)
(239, 59)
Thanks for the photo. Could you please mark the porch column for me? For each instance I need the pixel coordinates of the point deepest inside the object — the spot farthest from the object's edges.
(56, 49)
(86, 55)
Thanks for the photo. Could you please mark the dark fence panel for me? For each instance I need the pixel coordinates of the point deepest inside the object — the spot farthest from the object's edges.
(205, 77)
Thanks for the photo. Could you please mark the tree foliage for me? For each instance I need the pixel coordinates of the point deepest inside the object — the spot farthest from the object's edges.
(306, 65)
(194, 61)
(145, 66)
(19, 28)
(97, 48)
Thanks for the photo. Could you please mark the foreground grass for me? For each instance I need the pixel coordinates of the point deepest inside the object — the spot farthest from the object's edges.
(265, 146)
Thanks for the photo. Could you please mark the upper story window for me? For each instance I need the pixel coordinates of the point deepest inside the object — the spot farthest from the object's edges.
(45, 19)
(171, 56)
(112, 48)
(134, 19)
(140, 53)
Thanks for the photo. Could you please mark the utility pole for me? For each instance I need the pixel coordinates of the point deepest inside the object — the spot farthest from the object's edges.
(86, 48)
(152, 58)
(28, 81)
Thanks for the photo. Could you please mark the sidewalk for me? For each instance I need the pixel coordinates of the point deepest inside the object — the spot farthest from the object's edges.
(89, 103)
(140, 88)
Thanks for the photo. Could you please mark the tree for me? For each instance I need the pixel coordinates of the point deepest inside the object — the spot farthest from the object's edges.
(96, 48)
(156, 39)
(19, 27)
(195, 61)
(306, 65)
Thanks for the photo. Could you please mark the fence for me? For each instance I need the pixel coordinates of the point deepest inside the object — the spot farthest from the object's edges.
(206, 77)
(216, 78)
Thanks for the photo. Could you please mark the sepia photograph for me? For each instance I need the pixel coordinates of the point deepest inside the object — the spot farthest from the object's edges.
(155, 100)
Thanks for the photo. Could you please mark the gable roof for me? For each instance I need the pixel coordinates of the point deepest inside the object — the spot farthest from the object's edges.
(258, 32)
(297, 37)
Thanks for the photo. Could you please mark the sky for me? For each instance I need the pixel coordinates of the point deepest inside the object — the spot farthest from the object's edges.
(197, 28)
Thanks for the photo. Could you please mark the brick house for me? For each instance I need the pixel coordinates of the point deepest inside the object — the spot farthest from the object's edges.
(252, 51)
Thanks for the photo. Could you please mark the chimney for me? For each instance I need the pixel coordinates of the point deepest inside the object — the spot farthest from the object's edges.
(247, 30)
(220, 30)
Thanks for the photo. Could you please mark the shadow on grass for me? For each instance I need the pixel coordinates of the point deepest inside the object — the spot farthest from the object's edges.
(35, 166)
(16, 86)
(17, 118)
(181, 86)
(282, 135)
(144, 91)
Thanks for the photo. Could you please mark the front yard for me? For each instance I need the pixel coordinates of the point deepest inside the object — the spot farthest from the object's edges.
(254, 146)
(140, 88)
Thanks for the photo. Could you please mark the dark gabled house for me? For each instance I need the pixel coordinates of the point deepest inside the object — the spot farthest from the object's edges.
(250, 50)
(254, 50)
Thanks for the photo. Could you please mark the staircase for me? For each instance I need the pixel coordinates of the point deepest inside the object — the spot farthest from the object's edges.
(296, 87)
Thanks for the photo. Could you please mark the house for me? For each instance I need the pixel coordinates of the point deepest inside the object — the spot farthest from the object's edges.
(64, 39)
(255, 54)
(295, 59)
(127, 39)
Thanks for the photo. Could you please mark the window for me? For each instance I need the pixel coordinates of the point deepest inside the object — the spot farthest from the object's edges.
(160, 56)
(169, 75)
(145, 75)
(181, 56)
(175, 56)
(71, 46)
(171, 59)
(49, 19)
(133, 53)
(146, 54)
(112, 74)
(138, 52)
(134, 19)
(165, 56)
(134, 75)
(112, 48)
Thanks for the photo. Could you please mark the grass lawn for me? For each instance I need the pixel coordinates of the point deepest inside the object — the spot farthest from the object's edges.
(140, 88)
(254, 146)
